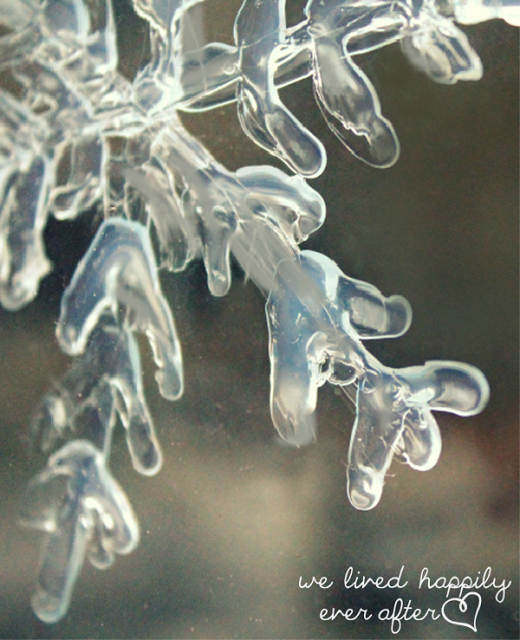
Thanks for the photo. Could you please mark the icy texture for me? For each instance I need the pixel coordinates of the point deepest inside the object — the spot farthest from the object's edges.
(119, 270)
(393, 414)
(323, 45)
(64, 60)
(93, 518)
(23, 217)
(318, 319)
(205, 209)
(75, 134)
(101, 384)
(259, 31)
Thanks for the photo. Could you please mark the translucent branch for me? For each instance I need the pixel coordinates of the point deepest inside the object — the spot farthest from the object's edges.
(23, 215)
(93, 519)
(57, 156)
(394, 415)
(473, 11)
(104, 381)
(317, 320)
(119, 269)
(259, 213)
(259, 31)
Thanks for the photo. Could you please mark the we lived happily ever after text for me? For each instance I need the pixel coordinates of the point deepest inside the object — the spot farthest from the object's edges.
(461, 606)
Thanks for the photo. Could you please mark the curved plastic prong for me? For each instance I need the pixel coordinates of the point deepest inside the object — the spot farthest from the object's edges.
(119, 269)
(259, 29)
(442, 51)
(23, 215)
(350, 103)
(312, 338)
(92, 496)
(394, 415)
(275, 191)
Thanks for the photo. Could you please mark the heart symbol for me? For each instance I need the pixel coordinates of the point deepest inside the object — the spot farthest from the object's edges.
(463, 607)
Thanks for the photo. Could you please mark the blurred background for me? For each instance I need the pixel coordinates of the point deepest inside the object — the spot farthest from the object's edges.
(235, 517)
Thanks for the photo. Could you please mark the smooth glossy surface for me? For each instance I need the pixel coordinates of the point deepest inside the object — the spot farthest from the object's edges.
(76, 133)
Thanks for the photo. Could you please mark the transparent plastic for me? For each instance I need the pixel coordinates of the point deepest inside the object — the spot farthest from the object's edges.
(329, 316)
(75, 133)
(119, 270)
(103, 383)
(94, 519)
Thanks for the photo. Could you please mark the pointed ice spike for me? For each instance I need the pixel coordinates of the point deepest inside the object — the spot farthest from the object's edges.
(316, 316)
(119, 269)
(394, 414)
(92, 498)
(259, 30)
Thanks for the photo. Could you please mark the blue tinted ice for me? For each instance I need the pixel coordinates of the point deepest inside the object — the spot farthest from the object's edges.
(92, 518)
(119, 271)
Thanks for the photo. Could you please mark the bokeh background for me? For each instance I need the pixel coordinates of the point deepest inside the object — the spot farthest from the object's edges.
(235, 517)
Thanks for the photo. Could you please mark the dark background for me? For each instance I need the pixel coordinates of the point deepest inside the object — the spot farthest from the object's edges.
(235, 517)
